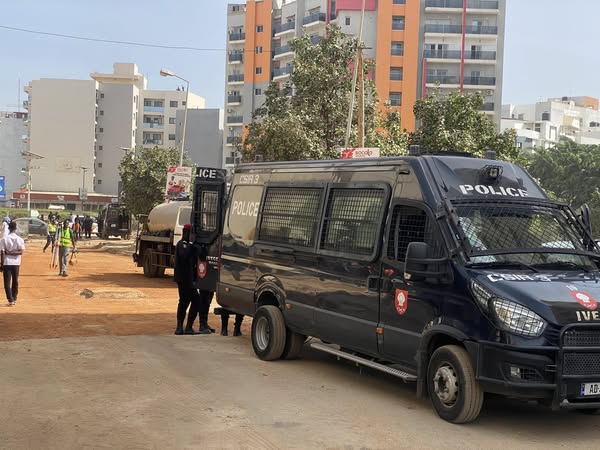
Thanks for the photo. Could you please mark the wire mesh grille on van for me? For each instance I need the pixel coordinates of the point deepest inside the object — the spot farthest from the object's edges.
(352, 220)
(409, 224)
(290, 216)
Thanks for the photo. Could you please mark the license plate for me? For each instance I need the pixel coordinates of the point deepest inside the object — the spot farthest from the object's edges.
(588, 389)
(113, 226)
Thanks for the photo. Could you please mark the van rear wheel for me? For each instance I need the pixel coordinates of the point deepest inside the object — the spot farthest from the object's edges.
(268, 333)
(453, 389)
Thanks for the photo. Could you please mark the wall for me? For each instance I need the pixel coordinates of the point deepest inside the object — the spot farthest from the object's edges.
(204, 136)
(62, 130)
(11, 145)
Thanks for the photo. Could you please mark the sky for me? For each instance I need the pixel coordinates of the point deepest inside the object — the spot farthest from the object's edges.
(549, 45)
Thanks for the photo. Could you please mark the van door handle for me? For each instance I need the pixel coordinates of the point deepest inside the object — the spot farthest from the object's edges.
(373, 283)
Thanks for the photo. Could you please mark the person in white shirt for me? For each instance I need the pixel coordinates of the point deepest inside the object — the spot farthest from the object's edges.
(11, 247)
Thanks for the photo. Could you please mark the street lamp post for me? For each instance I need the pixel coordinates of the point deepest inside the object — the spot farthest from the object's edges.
(168, 73)
(29, 156)
(83, 195)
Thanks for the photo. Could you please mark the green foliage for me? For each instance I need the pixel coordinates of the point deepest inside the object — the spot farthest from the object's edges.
(455, 123)
(570, 172)
(144, 177)
(387, 135)
(317, 112)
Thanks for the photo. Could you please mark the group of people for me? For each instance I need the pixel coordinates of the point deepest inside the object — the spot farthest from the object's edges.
(198, 301)
(11, 249)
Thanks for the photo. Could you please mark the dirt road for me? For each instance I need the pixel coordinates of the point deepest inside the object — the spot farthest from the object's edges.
(116, 377)
(124, 301)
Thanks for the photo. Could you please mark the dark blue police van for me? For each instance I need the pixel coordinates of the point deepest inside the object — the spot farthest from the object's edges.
(456, 273)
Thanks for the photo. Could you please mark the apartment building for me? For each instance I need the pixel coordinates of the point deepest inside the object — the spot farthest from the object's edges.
(542, 124)
(13, 133)
(84, 126)
(417, 45)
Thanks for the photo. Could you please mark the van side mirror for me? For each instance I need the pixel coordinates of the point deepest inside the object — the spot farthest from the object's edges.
(418, 266)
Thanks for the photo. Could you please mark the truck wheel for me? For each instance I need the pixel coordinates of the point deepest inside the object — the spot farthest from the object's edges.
(455, 394)
(293, 345)
(149, 269)
(268, 333)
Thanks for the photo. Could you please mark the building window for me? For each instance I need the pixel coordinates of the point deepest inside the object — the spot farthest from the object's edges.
(100, 147)
(399, 2)
(102, 95)
(259, 50)
(99, 181)
(395, 98)
(396, 73)
(258, 91)
(101, 130)
(397, 22)
(173, 103)
(259, 28)
(101, 112)
(397, 48)
(258, 70)
(171, 137)
(172, 121)
(347, 22)
(235, 8)
(183, 103)
(99, 165)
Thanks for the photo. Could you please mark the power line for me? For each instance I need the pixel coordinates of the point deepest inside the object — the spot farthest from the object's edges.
(110, 41)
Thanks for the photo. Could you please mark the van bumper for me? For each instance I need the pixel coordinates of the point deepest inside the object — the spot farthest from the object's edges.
(535, 373)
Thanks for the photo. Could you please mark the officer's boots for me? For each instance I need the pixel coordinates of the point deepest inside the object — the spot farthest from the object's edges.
(224, 323)
(237, 329)
(179, 329)
(204, 328)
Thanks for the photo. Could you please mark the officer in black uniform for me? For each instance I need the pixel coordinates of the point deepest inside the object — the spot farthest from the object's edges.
(237, 327)
(205, 297)
(185, 273)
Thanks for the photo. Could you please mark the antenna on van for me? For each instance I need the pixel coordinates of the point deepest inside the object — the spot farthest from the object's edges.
(414, 150)
(490, 154)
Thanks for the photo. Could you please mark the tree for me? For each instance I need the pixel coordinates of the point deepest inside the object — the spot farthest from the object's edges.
(387, 135)
(321, 83)
(570, 173)
(455, 123)
(144, 177)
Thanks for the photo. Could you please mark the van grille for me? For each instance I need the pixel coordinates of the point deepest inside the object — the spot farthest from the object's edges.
(581, 364)
(582, 338)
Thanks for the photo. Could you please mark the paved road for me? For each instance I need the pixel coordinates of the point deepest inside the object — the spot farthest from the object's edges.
(211, 392)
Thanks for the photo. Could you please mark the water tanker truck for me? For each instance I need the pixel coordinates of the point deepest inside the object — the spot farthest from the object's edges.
(155, 244)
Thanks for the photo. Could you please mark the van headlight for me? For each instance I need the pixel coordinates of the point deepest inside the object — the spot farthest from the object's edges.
(511, 316)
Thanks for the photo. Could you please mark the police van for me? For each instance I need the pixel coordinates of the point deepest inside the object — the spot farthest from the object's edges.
(456, 273)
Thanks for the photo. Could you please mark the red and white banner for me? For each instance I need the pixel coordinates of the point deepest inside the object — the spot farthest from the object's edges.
(360, 152)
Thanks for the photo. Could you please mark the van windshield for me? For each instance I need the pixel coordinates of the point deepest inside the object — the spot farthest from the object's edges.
(540, 229)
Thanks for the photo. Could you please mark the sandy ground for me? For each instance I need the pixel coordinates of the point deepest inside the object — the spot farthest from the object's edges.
(107, 372)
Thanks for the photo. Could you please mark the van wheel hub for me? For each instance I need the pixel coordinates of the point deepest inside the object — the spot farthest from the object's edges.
(262, 333)
(445, 384)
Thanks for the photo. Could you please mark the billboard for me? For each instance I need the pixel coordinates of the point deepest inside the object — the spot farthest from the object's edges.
(179, 181)
(2, 188)
(360, 152)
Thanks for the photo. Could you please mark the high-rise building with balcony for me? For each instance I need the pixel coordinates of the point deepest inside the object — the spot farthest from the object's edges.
(417, 45)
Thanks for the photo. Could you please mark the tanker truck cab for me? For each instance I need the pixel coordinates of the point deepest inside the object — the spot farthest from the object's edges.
(456, 273)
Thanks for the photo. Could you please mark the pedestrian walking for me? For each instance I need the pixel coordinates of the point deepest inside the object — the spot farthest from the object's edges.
(11, 249)
(66, 244)
(77, 228)
(51, 238)
(185, 274)
(87, 227)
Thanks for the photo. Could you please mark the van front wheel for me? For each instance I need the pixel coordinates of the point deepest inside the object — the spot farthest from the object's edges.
(453, 389)
(268, 333)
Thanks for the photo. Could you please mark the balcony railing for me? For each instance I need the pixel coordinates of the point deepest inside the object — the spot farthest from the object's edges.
(442, 79)
(26, 104)
(153, 125)
(487, 107)
(315, 17)
(235, 119)
(236, 57)
(283, 71)
(456, 54)
(154, 108)
(480, 81)
(237, 36)
(442, 28)
(484, 29)
(234, 139)
(281, 50)
(284, 27)
(236, 77)
(153, 141)
(234, 99)
(472, 4)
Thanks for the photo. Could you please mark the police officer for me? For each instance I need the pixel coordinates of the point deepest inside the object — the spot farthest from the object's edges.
(237, 327)
(185, 273)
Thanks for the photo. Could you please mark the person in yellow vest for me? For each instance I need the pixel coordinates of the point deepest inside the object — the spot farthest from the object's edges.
(66, 244)
(51, 235)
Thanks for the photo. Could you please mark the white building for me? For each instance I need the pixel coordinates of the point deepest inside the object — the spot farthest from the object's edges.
(13, 127)
(542, 124)
(84, 126)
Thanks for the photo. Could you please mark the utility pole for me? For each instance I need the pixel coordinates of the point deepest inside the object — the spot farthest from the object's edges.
(361, 100)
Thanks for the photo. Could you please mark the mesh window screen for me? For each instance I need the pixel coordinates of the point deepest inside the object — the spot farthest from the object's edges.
(290, 216)
(209, 210)
(352, 220)
(409, 224)
(495, 227)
